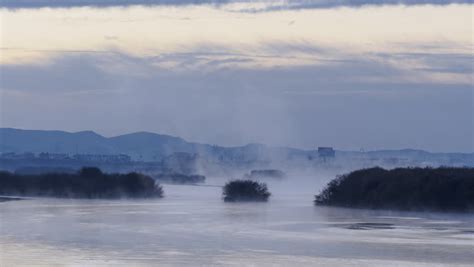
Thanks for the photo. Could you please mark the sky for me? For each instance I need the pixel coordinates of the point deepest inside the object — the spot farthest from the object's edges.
(300, 73)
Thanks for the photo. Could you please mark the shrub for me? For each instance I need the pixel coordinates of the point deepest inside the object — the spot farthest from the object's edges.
(178, 178)
(89, 182)
(271, 173)
(245, 190)
(444, 189)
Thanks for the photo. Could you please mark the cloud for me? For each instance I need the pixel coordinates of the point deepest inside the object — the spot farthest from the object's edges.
(237, 5)
(297, 106)
(263, 39)
(66, 74)
(328, 70)
(442, 62)
(376, 77)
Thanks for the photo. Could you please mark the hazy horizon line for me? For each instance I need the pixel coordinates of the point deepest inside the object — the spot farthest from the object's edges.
(234, 146)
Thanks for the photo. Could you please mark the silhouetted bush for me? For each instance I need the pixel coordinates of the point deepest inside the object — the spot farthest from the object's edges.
(177, 178)
(255, 174)
(43, 170)
(443, 189)
(89, 182)
(245, 190)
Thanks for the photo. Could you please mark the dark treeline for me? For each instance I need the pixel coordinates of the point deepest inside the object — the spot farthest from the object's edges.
(178, 178)
(441, 189)
(245, 190)
(255, 174)
(89, 182)
(44, 169)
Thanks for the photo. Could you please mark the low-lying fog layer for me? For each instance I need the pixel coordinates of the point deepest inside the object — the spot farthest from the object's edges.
(192, 226)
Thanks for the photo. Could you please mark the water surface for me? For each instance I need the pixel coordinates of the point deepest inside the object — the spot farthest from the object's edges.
(193, 226)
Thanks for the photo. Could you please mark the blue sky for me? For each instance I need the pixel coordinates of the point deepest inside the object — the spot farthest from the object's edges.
(349, 74)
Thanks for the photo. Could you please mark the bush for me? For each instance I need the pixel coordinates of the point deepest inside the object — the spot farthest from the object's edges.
(266, 174)
(245, 190)
(443, 189)
(89, 182)
(177, 178)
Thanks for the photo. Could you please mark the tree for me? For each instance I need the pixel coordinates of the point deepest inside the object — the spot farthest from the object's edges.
(245, 190)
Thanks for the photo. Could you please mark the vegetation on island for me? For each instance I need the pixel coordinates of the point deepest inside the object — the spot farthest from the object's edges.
(270, 173)
(89, 182)
(245, 190)
(436, 189)
(44, 169)
(178, 178)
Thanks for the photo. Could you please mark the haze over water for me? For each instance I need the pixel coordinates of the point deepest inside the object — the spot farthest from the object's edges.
(192, 226)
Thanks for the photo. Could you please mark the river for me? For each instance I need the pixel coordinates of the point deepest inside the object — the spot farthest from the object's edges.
(192, 226)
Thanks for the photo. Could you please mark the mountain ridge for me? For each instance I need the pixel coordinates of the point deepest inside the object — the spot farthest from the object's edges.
(151, 146)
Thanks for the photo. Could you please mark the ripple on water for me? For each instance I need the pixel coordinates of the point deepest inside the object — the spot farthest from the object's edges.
(369, 226)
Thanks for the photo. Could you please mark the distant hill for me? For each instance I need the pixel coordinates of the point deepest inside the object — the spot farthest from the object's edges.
(140, 145)
(147, 145)
(151, 146)
(15, 140)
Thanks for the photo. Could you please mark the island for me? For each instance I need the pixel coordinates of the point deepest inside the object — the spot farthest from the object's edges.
(430, 189)
(245, 190)
(89, 182)
(270, 173)
(178, 178)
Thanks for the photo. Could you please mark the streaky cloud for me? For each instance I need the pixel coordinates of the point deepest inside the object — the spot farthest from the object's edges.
(247, 6)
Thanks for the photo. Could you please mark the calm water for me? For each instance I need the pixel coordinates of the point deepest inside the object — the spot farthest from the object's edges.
(192, 226)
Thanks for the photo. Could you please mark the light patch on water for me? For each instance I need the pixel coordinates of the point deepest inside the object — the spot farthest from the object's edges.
(14, 254)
